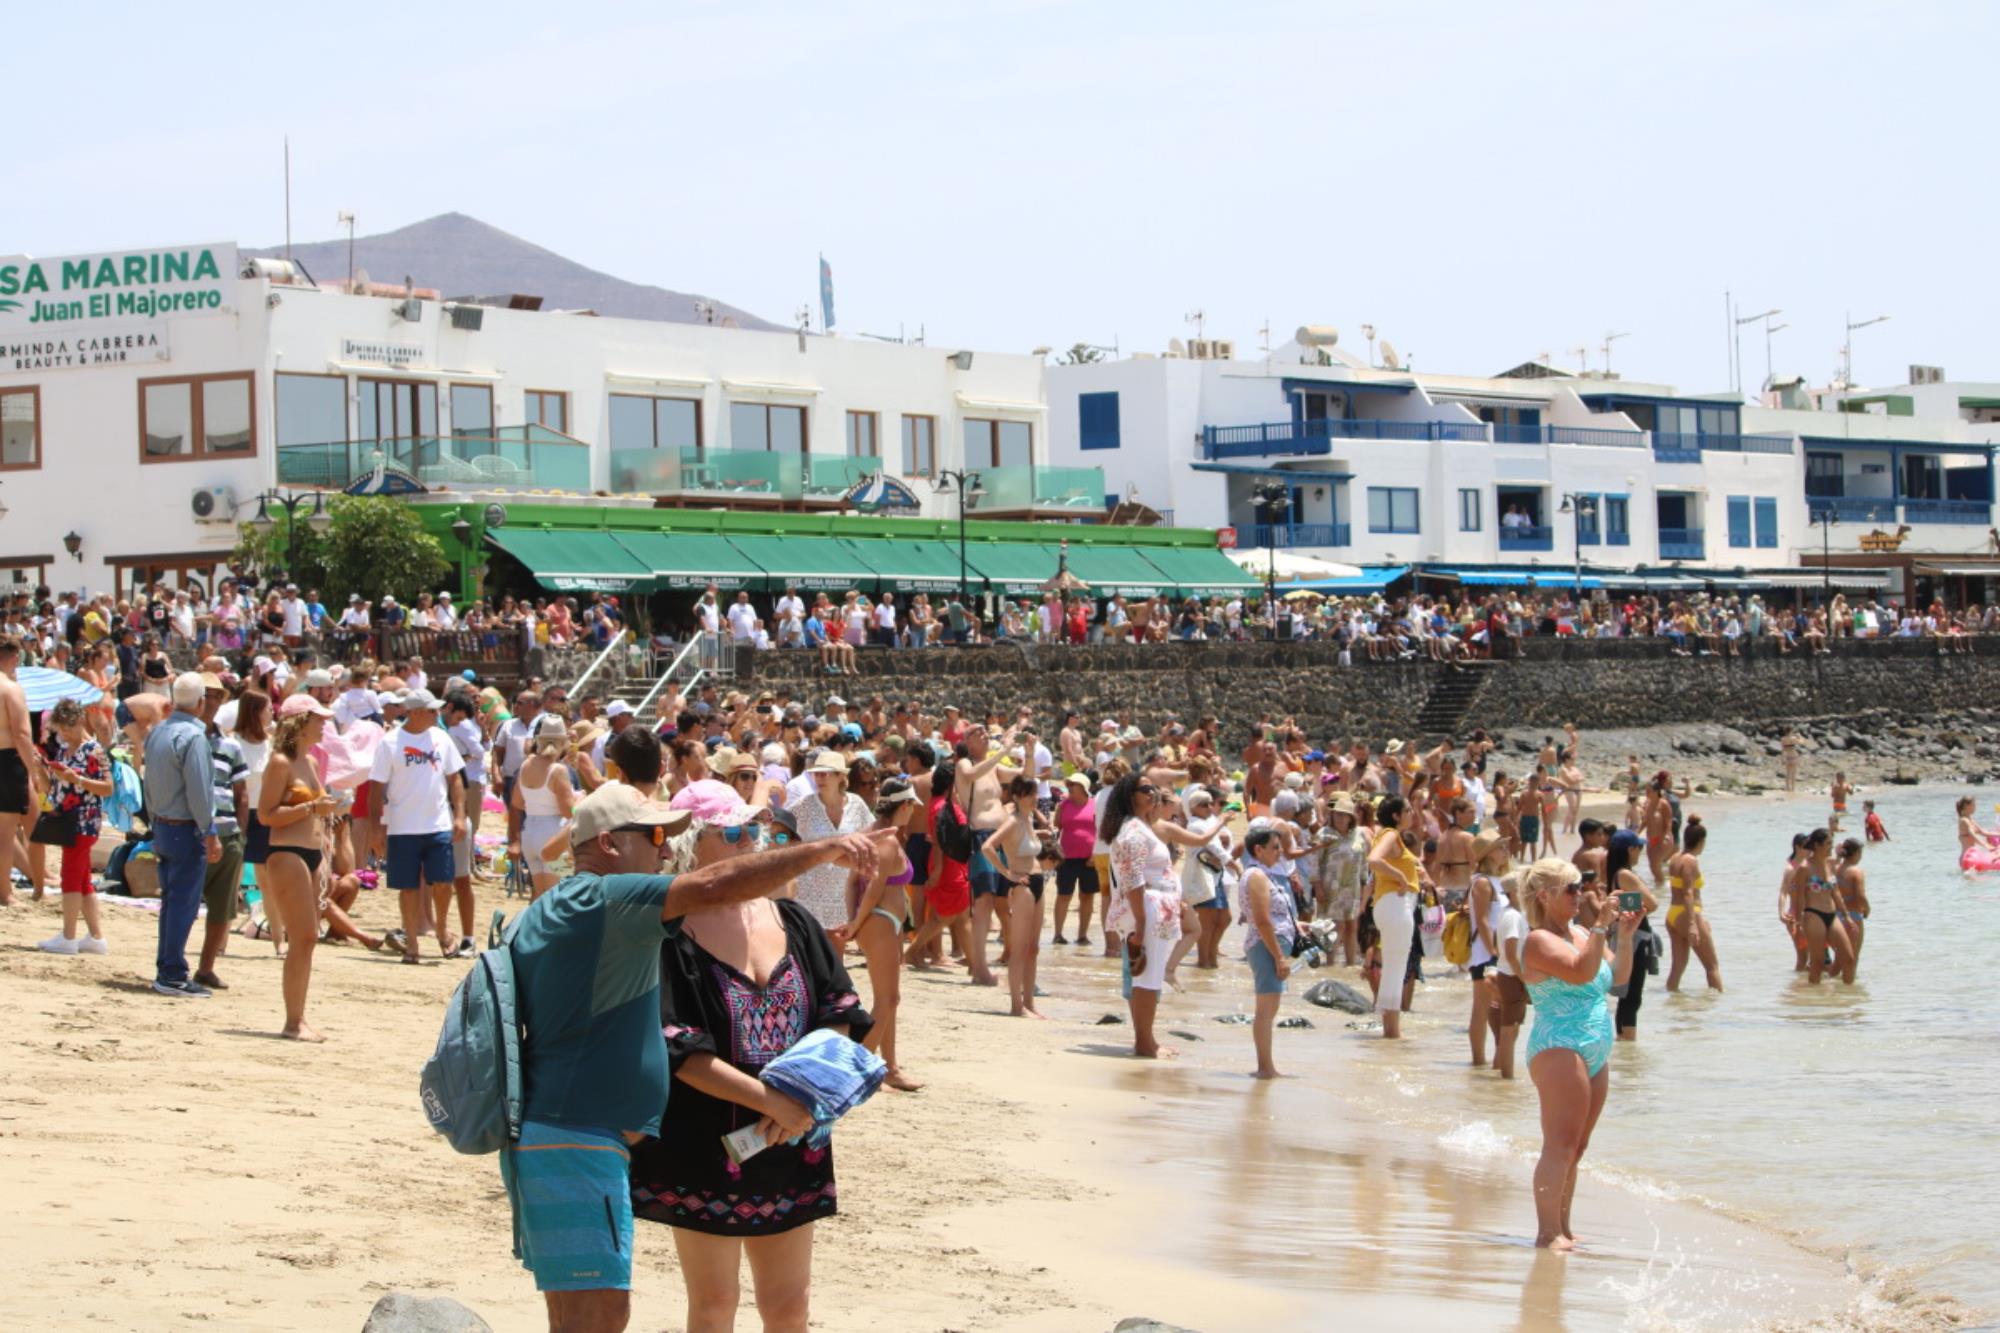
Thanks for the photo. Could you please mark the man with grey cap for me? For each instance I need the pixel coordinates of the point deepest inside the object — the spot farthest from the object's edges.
(180, 797)
(594, 1070)
(419, 775)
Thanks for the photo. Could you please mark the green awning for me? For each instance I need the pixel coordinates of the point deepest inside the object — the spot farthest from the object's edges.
(1013, 569)
(1199, 570)
(813, 564)
(910, 566)
(571, 561)
(1117, 571)
(691, 560)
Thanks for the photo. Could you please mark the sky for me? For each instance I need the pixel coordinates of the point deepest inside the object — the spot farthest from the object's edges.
(1482, 183)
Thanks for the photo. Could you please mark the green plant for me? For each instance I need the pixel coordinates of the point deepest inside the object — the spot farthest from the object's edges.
(375, 545)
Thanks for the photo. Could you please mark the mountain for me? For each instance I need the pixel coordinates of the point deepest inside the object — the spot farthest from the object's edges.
(462, 256)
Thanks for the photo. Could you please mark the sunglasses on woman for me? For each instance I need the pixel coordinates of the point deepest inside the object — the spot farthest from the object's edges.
(740, 833)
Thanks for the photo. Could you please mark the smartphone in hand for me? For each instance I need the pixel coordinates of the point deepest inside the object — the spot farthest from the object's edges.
(1631, 901)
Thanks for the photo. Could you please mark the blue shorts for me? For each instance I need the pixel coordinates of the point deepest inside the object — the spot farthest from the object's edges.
(417, 859)
(985, 879)
(1263, 970)
(572, 1202)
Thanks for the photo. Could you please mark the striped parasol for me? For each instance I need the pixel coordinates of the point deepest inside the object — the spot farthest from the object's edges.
(46, 687)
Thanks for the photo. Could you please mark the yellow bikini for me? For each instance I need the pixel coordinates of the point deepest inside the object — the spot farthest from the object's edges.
(1675, 912)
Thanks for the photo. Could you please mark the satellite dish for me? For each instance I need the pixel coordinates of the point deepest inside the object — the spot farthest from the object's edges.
(360, 279)
(1391, 359)
(1175, 347)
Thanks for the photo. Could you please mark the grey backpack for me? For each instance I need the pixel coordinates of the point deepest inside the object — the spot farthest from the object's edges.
(471, 1085)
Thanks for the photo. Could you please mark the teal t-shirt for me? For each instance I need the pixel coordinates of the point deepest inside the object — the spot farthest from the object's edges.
(587, 981)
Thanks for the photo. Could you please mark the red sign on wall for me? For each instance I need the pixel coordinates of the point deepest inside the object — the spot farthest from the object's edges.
(1225, 539)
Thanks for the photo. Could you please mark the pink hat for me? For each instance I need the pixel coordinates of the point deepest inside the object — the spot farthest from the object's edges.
(303, 703)
(713, 802)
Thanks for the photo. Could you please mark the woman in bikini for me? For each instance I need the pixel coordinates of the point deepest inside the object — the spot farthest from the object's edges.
(1788, 911)
(1015, 850)
(294, 805)
(1571, 780)
(1978, 848)
(1687, 925)
(1814, 891)
(878, 923)
(1852, 881)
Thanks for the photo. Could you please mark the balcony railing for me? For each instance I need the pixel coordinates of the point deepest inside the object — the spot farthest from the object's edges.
(1669, 447)
(1852, 508)
(1527, 538)
(1282, 535)
(1594, 436)
(1681, 544)
(1946, 511)
(1049, 491)
(725, 474)
(829, 478)
(509, 458)
(1269, 438)
(1746, 444)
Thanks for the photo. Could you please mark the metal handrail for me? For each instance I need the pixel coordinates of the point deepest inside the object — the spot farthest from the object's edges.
(591, 670)
(667, 675)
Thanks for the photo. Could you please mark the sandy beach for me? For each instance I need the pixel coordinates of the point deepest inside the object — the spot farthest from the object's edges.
(174, 1165)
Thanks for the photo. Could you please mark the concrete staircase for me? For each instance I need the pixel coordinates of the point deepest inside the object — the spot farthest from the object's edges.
(1451, 698)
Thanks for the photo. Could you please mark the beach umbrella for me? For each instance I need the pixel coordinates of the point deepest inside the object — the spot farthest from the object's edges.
(1063, 580)
(46, 687)
(1303, 595)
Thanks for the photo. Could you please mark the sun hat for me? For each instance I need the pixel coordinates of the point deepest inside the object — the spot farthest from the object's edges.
(318, 679)
(616, 805)
(704, 795)
(1484, 844)
(828, 761)
(1079, 780)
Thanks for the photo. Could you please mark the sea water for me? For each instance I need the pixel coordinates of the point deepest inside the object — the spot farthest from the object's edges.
(1863, 1120)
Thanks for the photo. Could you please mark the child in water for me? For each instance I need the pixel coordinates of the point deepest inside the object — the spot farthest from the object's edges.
(1872, 823)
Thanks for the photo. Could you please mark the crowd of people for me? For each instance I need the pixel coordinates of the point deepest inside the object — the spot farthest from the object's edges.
(696, 888)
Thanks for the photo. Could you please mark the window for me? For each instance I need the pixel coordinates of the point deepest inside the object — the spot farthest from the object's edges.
(545, 407)
(196, 416)
(471, 409)
(1617, 520)
(1718, 421)
(920, 446)
(312, 409)
(1588, 510)
(1097, 420)
(1923, 477)
(1468, 510)
(397, 409)
(1767, 521)
(21, 428)
(1823, 474)
(998, 443)
(1739, 520)
(767, 427)
(1392, 509)
(640, 422)
(863, 438)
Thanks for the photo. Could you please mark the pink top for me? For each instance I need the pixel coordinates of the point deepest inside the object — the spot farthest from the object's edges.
(1077, 821)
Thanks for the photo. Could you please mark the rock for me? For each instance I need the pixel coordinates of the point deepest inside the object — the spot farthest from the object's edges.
(1330, 994)
(1141, 1324)
(1295, 1022)
(400, 1312)
(1831, 743)
(1110, 1021)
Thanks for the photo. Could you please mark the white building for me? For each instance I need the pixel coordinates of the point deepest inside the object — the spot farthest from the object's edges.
(1312, 449)
(147, 399)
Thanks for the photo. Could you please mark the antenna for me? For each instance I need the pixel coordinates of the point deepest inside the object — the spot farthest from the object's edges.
(1543, 358)
(288, 198)
(704, 311)
(1264, 336)
(804, 317)
(1847, 348)
(1198, 319)
(1582, 355)
(1610, 338)
(1391, 359)
(1368, 332)
(346, 219)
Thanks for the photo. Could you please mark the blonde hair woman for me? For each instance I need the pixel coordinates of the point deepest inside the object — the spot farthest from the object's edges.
(294, 805)
(545, 798)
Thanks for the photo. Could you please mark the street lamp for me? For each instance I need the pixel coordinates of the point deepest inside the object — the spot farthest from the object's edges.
(1271, 499)
(1823, 515)
(963, 483)
(1584, 507)
(318, 520)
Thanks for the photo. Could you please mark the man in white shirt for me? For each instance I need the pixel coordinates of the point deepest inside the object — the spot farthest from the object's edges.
(885, 621)
(510, 749)
(790, 604)
(617, 717)
(420, 778)
(414, 675)
(742, 618)
(294, 611)
(444, 616)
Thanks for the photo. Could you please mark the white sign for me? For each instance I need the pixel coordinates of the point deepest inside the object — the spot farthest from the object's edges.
(110, 344)
(50, 295)
(381, 354)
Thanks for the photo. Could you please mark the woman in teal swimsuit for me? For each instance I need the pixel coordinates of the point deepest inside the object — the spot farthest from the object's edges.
(1569, 976)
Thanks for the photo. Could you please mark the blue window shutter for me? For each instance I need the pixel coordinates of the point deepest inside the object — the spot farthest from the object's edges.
(1097, 420)
(1739, 520)
(1767, 521)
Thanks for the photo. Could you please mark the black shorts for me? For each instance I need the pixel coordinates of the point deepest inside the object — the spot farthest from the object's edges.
(13, 783)
(1075, 874)
(256, 841)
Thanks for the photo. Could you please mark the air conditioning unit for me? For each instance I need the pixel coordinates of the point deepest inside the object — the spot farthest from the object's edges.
(468, 318)
(1927, 374)
(1198, 349)
(213, 504)
(411, 309)
(1222, 349)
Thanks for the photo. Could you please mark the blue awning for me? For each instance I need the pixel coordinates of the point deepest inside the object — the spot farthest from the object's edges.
(1514, 578)
(1372, 578)
(1292, 385)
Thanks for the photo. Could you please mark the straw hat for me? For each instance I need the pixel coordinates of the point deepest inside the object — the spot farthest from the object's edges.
(829, 761)
(1483, 845)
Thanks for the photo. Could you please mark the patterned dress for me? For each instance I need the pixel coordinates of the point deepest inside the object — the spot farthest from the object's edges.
(684, 1178)
(823, 889)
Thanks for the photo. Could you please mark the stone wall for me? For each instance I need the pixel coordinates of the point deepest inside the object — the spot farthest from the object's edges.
(1596, 683)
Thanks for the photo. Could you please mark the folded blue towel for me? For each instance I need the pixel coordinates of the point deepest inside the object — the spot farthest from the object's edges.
(828, 1074)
